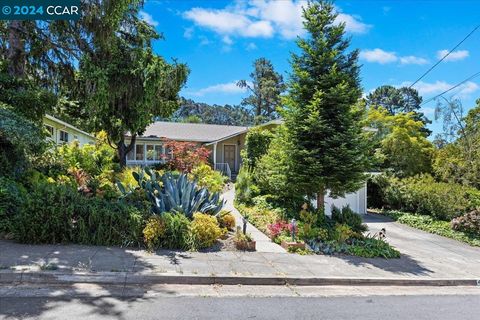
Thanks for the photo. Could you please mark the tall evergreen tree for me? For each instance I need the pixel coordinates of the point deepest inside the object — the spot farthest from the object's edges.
(321, 115)
(265, 89)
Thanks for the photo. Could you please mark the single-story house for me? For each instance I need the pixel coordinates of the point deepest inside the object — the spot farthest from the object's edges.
(61, 132)
(225, 143)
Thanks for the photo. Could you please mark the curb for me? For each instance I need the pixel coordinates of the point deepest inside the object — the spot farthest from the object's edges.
(128, 278)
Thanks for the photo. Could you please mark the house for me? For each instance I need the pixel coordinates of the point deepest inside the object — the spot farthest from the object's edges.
(225, 143)
(61, 132)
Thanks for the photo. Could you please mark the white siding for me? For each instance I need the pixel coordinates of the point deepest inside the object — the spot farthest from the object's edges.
(356, 200)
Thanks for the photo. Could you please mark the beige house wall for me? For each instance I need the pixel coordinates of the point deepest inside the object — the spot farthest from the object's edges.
(73, 133)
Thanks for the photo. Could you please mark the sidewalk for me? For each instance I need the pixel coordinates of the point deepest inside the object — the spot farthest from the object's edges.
(74, 263)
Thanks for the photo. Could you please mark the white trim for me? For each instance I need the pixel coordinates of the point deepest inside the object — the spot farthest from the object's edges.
(234, 169)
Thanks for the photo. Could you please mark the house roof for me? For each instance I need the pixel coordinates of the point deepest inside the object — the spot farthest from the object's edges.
(198, 132)
(67, 125)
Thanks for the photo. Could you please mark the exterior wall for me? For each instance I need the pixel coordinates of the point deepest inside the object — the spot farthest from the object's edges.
(142, 143)
(239, 142)
(73, 133)
(356, 200)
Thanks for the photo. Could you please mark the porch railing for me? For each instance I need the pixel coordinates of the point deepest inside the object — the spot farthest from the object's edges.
(224, 168)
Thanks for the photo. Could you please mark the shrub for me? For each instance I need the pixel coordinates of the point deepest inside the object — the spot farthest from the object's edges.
(204, 230)
(226, 220)
(256, 145)
(245, 188)
(372, 248)
(208, 178)
(177, 228)
(260, 217)
(59, 214)
(348, 217)
(469, 222)
(422, 194)
(152, 233)
(12, 197)
(188, 155)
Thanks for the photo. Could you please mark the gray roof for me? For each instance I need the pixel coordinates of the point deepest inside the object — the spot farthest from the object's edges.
(197, 132)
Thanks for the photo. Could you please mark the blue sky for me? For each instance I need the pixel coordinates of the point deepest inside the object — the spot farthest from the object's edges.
(399, 40)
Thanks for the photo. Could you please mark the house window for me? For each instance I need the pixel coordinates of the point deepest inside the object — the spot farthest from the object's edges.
(158, 152)
(63, 136)
(139, 153)
(50, 130)
(150, 152)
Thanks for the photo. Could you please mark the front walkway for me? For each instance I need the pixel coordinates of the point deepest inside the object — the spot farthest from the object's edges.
(264, 244)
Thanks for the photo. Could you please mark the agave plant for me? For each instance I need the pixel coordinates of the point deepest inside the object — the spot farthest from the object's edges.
(169, 193)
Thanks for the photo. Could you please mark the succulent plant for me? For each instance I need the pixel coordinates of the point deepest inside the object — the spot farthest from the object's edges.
(169, 193)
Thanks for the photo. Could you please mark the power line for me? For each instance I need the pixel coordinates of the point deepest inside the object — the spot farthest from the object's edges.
(446, 55)
(455, 86)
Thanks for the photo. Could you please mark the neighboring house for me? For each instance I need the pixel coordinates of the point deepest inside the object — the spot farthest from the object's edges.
(61, 132)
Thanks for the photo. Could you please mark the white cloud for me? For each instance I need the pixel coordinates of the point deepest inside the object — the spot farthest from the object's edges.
(251, 46)
(263, 18)
(432, 88)
(413, 60)
(227, 40)
(224, 88)
(148, 18)
(383, 57)
(188, 33)
(454, 56)
(378, 55)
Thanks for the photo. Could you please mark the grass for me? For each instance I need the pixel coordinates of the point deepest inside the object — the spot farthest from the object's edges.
(428, 224)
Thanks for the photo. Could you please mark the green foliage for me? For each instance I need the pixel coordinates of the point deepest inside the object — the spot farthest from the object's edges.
(260, 217)
(177, 228)
(12, 197)
(59, 214)
(21, 141)
(274, 176)
(212, 114)
(399, 137)
(174, 194)
(424, 195)
(327, 147)
(428, 224)
(204, 230)
(468, 223)
(208, 178)
(257, 142)
(245, 188)
(267, 86)
(372, 248)
(152, 233)
(348, 217)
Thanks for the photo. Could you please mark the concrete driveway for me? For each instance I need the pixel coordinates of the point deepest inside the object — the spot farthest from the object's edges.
(426, 253)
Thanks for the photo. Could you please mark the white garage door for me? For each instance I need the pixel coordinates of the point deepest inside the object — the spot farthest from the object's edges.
(356, 200)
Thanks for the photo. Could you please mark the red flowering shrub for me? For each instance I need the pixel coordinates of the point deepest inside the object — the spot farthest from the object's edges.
(279, 227)
(184, 156)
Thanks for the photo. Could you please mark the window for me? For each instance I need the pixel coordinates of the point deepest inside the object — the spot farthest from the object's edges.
(158, 152)
(150, 152)
(50, 130)
(63, 136)
(139, 153)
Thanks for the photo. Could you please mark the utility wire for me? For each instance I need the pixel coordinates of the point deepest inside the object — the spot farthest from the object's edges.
(455, 86)
(446, 55)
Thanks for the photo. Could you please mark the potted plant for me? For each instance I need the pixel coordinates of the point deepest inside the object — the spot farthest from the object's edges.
(292, 240)
(244, 241)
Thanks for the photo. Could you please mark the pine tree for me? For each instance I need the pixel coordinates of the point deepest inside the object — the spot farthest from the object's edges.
(321, 116)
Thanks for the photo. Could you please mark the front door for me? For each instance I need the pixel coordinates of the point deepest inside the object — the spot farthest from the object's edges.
(229, 156)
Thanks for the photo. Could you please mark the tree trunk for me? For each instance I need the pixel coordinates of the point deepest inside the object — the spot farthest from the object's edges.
(16, 49)
(123, 150)
(321, 200)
